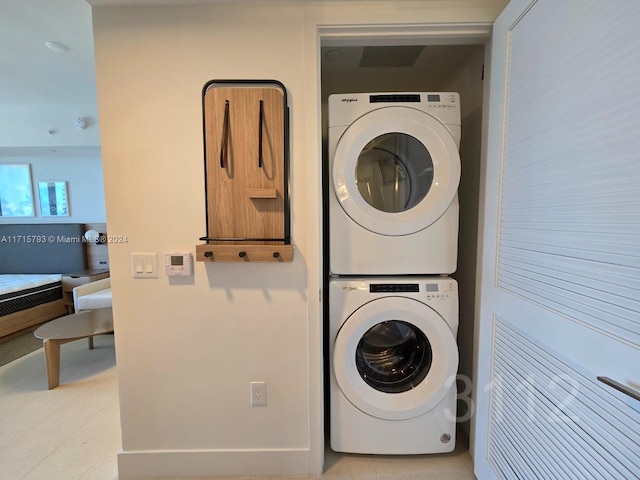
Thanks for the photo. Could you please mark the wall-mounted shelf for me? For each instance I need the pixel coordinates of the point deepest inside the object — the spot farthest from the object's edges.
(246, 143)
(248, 253)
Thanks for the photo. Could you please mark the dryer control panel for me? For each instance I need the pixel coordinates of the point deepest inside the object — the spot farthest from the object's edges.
(344, 108)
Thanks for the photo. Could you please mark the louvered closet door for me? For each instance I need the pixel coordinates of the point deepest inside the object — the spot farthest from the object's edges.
(560, 296)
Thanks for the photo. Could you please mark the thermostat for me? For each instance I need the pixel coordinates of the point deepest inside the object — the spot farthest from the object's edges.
(177, 264)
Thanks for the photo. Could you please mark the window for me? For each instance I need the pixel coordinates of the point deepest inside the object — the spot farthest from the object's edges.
(16, 194)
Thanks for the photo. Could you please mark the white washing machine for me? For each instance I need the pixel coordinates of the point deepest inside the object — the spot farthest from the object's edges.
(395, 168)
(393, 363)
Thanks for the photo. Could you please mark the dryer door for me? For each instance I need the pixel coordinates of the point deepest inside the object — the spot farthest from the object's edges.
(396, 170)
(395, 358)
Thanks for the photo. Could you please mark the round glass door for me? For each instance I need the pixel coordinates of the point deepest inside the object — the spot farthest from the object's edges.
(394, 172)
(393, 356)
(395, 180)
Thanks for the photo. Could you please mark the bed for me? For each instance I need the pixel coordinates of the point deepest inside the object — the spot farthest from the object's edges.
(33, 258)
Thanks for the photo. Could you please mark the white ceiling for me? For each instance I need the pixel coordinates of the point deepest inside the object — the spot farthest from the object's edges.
(33, 74)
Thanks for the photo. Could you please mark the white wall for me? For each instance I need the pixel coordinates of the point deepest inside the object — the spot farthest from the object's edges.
(187, 350)
(80, 168)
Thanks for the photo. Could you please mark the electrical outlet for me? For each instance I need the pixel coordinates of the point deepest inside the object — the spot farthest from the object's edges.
(258, 394)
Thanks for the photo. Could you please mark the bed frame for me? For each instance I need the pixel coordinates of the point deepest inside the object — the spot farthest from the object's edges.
(39, 248)
(24, 319)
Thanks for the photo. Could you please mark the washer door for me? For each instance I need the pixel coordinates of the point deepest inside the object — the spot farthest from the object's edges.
(395, 358)
(396, 170)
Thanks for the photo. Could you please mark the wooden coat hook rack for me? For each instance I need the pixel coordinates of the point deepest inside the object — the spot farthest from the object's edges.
(246, 140)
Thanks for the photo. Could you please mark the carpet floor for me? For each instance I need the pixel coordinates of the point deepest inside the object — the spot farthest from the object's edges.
(17, 346)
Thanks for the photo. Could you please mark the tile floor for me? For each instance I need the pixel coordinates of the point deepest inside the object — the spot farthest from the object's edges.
(73, 431)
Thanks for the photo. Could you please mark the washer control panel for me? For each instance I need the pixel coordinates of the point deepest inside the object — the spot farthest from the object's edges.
(439, 290)
(442, 100)
(394, 287)
(432, 290)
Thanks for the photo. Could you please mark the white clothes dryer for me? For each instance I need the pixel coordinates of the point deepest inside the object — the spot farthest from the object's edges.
(394, 166)
(393, 363)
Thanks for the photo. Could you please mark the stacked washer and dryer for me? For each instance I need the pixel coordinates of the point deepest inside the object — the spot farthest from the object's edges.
(394, 166)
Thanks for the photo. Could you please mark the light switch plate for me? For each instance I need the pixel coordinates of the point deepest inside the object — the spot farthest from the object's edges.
(144, 265)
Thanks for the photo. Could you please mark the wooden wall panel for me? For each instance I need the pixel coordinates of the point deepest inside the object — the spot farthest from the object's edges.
(244, 199)
(245, 135)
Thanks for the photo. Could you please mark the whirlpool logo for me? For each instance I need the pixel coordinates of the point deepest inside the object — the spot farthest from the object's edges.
(349, 100)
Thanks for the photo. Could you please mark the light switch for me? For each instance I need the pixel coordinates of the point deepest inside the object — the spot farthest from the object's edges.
(144, 265)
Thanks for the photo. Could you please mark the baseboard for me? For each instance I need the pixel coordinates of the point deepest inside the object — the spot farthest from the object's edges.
(211, 463)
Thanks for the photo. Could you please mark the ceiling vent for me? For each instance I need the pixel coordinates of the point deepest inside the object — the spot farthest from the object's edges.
(390, 56)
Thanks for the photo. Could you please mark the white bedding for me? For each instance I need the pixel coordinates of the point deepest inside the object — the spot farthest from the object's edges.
(10, 283)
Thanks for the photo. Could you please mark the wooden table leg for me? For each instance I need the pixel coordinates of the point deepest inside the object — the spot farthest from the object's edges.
(52, 357)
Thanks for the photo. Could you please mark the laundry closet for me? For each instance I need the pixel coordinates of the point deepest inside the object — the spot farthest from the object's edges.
(412, 67)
